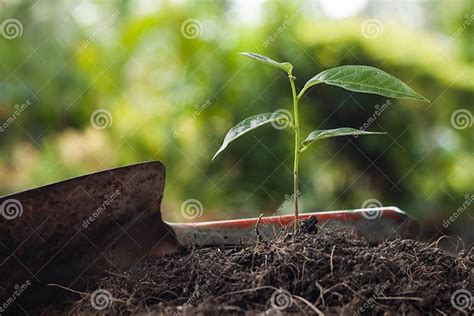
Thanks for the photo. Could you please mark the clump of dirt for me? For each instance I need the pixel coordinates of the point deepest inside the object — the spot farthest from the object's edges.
(333, 273)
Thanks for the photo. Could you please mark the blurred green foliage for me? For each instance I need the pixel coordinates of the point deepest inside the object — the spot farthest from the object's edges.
(173, 95)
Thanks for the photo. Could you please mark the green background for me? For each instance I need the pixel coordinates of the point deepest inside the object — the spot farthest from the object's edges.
(173, 92)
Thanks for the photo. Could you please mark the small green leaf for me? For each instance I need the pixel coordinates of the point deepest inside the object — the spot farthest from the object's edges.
(364, 79)
(327, 133)
(264, 59)
(247, 125)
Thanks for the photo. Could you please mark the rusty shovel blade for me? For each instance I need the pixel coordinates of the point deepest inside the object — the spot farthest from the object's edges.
(69, 231)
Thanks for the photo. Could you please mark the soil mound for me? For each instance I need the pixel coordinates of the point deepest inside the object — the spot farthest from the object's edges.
(333, 273)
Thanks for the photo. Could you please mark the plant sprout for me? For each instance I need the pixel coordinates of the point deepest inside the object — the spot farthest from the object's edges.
(352, 77)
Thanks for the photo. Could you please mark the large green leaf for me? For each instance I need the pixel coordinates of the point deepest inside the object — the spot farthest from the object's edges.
(364, 79)
(247, 125)
(264, 59)
(327, 133)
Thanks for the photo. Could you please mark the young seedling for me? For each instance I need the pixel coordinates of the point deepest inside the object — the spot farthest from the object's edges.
(352, 77)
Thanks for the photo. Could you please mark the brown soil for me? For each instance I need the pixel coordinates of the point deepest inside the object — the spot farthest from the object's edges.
(332, 273)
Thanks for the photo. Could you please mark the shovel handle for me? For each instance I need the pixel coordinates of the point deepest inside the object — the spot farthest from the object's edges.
(375, 224)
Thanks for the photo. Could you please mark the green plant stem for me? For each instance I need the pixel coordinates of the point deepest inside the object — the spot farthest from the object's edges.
(297, 152)
(301, 93)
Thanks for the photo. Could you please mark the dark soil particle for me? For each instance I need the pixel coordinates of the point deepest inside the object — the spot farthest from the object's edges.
(333, 273)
